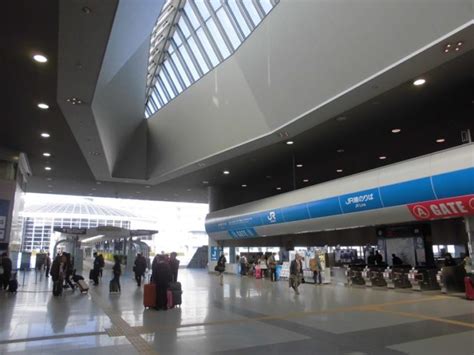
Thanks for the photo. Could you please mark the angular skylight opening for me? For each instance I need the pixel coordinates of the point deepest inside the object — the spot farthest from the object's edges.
(191, 37)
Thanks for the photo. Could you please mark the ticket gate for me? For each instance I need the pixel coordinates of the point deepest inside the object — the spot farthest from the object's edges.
(374, 276)
(354, 275)
(397, 276)
(423, 278)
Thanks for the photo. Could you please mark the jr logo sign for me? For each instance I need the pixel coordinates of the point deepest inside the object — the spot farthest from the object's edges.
(272, 217)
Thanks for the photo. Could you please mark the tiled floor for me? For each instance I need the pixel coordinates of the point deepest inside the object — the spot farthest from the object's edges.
(243, 316)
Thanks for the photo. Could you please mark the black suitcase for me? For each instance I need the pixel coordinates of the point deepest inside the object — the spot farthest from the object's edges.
(13, 285)
(113, 286)
(175, 288)
(92, 274)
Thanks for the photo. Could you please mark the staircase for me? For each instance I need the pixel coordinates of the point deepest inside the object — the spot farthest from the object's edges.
(199, 259)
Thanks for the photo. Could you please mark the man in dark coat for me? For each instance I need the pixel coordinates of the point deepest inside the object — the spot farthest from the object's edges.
(7, 270)
(161, 274)
(174, 265)
(140, 268)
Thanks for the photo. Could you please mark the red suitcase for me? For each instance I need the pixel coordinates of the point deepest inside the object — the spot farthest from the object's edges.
(149, 295)
(469, 288)
(258, 273)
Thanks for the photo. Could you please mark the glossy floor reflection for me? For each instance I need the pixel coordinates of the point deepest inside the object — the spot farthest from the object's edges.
(243, 316)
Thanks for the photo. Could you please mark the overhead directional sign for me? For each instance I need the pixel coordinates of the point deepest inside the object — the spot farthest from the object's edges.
(447, 207)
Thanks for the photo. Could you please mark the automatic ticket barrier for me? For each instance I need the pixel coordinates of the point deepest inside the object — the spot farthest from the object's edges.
(423, 278)
(354, 275)
(451, 278)
(397, 277)
(374, 276)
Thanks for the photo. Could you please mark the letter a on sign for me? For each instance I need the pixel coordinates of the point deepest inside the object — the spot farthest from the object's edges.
(421, 212)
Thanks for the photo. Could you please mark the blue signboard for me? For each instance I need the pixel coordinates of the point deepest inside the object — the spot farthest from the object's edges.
(360, 201)
(215, 253)
(454, 183)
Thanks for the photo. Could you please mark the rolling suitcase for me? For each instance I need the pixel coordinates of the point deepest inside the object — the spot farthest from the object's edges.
(169, 299)
(57, 288)
(176, 291)
(469, 288)
(92, 274)
(258, 273)
(113, 287)
(149, 295)
(83, 287)
(13, 285)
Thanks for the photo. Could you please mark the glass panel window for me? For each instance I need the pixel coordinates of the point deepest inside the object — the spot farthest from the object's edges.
(197, 54)
(172, 75)
(252, 11)
(216, 4)
(191, 15)
(266, 5)
(184, 28)
(161, 91)
(174, 58)
(201, 6)
(207, 47)
(187, 59)
(167, 85)
(216, 34)
(228, 28)
(239, 17)
(155, 100)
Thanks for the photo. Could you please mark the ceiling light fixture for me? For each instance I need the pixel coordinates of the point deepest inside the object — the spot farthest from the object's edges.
(46, 154)
(396, 130)
(278, 188)
(43, 106)
(419, 82)
(340, 150)
(341, 118)
(226, 172)
(40, 58)
(45, 135)
(86, 10)
(74, 101)
(305, 180)
(299, 165)
(440, 140)
(382, 157)
(205, 182)
(339, 170)
(244, 185)
(47, 168)
(147, 186)
(290, 142)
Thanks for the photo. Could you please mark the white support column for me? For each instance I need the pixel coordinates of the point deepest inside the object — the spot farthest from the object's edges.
(469, 222)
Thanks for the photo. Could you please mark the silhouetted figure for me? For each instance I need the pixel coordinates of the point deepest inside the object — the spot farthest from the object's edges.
(7, 270)
(47, 264)
(396, 260)
(161, 275)
(449, 261)
(378, 258)
(139, 268)
(174, 266)
(371, 259)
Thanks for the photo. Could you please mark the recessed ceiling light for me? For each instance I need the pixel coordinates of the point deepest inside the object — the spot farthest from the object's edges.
(290, 142)
(305, 180)
(188, 190)
(460, 43)
(382, 157)
(278, 188)
(43, 106)
(49, 179)
(45, 135)
(98, 182)
(40, 58)
(138, 192)
(419, 82)
(340, 150)
(339, 170)
(86, 10)
(226, 172)
(205, 182)
(299, 165)
(95, 154)
(244, 185)
(93, 189)
(47, 168)
(396, 130)
(50, 186)
(341, 118)
(46, 154)
(440, 140)
(147, 186)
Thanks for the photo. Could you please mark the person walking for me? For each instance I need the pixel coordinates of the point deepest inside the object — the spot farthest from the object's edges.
(296, 273)
(315, 266)
(139, 268)
(243, 265)
(220, 268)
(161, 275)
(101, 264)
(96, 269)
(271, 262)
(174, 266)
(47, 264)
(68, 269)
(378, 259)
(396, 260)
(117, 271)
(7, 270)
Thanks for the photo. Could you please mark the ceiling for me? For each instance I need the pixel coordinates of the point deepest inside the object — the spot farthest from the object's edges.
(441, 108)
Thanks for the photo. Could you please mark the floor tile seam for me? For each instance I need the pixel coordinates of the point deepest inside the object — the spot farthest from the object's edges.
(425, 317)
(52, 337)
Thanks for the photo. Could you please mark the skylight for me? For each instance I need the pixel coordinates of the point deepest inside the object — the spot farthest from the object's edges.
(191, 37)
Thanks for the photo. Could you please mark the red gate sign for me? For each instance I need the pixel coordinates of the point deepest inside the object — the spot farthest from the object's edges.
(447, 207)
